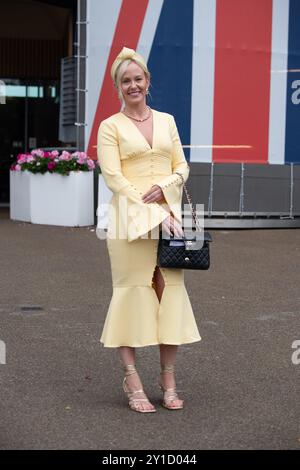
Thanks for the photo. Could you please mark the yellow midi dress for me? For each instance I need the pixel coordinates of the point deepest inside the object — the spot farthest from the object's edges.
(130, 166)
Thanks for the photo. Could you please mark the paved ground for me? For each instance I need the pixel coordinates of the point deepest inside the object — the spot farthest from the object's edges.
(60, 389)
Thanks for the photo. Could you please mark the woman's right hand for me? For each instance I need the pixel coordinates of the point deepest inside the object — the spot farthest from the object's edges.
(171, 225)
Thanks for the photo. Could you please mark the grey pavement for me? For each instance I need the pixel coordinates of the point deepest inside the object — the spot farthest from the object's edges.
(61, 389)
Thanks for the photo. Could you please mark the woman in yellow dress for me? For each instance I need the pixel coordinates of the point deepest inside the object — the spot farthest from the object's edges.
(139, 151)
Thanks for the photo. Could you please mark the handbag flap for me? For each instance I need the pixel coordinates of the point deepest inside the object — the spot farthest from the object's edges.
(201, 236)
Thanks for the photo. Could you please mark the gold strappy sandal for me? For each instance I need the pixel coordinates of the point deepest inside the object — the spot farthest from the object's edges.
(169, 394)
(134, 400)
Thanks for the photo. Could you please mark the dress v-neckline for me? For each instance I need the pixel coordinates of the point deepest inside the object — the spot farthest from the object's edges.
(140, 132)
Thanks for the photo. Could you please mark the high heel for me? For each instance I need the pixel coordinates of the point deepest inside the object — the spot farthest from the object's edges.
(169, 394)
(134, 401)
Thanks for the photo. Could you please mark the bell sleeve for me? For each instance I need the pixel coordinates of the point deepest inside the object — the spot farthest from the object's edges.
(140, 217)
(172, 185)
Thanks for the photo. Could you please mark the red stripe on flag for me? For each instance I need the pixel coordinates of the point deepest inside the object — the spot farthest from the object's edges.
(242, 80)
(127, 33)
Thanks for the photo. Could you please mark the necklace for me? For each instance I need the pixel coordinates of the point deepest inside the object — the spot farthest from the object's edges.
(139, 120)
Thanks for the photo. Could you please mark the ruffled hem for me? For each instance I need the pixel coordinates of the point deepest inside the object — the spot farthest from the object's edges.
(136, 318)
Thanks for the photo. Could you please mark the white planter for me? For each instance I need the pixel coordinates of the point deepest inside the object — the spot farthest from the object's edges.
(104, 196)
(20, 195)
(52, 199)
(62, 200)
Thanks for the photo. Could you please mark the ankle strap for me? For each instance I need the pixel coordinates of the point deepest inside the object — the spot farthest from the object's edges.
(129, 369)
(170, 368)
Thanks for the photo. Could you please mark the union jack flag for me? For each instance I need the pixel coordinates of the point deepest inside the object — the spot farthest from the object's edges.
(228, 70)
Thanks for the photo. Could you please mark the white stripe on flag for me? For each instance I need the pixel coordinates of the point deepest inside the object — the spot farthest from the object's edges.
(203, 80)
(279, 58)
(102, 19)
(149, 28)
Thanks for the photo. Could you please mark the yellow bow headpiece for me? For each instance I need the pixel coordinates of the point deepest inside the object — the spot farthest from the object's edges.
(125, 54)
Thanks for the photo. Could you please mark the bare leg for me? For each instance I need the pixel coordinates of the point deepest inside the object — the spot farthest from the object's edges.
(158, 283)
(167, 379)
(167, 351)
(133, 381)
(127, 355)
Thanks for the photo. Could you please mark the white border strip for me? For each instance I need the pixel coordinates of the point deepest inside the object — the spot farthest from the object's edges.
(203, 79)
(279, 62)
(102, 19)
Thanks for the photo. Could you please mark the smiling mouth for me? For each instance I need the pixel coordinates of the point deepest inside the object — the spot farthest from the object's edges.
(134, 93)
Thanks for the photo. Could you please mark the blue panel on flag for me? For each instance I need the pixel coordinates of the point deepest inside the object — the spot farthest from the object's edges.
(170, 63)
(292, 142)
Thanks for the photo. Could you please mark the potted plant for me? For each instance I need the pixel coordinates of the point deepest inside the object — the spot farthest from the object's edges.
(53, 188)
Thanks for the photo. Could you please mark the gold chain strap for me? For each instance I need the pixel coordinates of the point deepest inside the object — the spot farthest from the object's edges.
(194, 215)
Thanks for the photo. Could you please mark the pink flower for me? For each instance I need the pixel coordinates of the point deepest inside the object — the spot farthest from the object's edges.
(22, 158)
(30, 158)
(65, 156)
(82, 156)
(51, 166)
(18, 167)
(37, 152)
(91, 164)
(54, 153)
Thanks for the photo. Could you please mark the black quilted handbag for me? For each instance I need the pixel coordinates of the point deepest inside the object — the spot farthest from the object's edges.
(184, 253)
(187, 252)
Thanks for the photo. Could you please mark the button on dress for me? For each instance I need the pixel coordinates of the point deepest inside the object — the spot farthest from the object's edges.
(130, 166)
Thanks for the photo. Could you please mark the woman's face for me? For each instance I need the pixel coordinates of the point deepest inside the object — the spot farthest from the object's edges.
(134, 84)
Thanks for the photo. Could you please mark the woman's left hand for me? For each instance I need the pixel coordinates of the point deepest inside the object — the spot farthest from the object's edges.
(154, 194)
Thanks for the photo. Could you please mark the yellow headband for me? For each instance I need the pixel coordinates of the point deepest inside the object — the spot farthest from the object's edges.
(125, 54)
